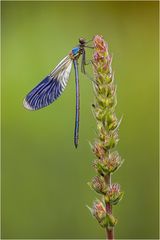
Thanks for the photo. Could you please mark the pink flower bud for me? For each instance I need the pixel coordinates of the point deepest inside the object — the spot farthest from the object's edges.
(113, 195)
(98, 184)
(100, 44)
(99, 211)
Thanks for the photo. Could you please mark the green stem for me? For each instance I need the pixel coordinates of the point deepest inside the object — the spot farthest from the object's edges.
(107, 160)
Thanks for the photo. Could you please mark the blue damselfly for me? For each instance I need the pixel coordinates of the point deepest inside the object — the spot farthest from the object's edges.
(51, 87)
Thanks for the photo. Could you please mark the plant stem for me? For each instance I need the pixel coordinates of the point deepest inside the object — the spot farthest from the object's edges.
(107, 159)
(109, 232)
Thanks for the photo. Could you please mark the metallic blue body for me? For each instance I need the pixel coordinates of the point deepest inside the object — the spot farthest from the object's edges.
(76, 130)
(75, 50)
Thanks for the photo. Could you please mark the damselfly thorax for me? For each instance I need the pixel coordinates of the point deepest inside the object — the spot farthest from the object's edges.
(52, 86)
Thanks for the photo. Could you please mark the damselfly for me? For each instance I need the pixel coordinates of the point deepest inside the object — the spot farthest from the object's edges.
(51, 87)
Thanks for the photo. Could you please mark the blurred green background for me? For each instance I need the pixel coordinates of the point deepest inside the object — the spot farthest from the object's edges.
(44, 178)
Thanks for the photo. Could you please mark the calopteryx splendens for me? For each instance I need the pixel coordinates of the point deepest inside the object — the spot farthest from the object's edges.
(51, 87)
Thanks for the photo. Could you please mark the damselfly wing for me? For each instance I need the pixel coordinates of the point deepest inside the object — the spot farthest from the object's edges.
(52, 86)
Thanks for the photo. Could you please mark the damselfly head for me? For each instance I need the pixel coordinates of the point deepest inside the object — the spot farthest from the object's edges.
(82, 41)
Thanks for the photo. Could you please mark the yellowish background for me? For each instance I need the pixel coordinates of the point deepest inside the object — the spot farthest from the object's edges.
(44, 179)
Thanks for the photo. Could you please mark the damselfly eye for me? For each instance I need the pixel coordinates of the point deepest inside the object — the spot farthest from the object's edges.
(82, 40)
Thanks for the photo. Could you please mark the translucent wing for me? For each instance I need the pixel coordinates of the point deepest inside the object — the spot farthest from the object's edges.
(50, 88)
